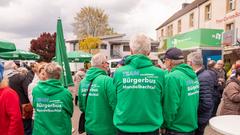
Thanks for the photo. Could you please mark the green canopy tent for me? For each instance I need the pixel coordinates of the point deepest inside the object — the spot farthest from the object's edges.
(19, 55)
(78, 56)
(7, 46)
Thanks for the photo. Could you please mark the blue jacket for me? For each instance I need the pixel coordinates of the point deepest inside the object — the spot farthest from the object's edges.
(206, 105)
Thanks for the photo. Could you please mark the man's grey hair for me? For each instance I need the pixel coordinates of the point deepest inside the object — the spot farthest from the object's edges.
(53, 70)
(98, 59)
(140, 44)
(178, 62)
(195, 58)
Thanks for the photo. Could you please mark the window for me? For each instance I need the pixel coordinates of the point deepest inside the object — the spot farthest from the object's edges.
(170, 30)
(229, 26)
(191, 20)
(103, 46)
(162, 33)
(154, 49)
(179, 26)
(126, 48)
(231, 5)
(208, 12)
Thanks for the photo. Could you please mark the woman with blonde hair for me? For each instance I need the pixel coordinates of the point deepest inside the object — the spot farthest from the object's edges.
(10, 114)
(39, 74)
(53, 104)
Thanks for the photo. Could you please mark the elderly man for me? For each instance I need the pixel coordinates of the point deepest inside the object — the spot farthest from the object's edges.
(139, 91)
(206, 82)
(221, 74)
(100, 92)
(181, 95)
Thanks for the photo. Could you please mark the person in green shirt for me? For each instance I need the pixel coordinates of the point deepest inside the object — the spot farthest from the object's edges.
(53, 104)
(139, 91)
(180, 96)
(101, 100)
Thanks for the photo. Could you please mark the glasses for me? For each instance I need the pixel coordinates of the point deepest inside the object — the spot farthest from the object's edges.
(105, 62)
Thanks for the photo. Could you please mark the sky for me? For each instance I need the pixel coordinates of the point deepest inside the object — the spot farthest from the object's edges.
(24, 20)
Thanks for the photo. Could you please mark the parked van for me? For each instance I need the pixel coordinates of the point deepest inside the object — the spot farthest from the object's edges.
(113, 64)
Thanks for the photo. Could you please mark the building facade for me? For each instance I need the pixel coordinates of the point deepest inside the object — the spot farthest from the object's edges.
(114, 46)
(213, 14)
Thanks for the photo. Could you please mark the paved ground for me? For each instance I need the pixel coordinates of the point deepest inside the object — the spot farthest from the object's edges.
(75, 119)
(76, 115)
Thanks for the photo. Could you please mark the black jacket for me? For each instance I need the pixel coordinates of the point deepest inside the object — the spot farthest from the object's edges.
(216, 93)
(19, 83)
(205, 96)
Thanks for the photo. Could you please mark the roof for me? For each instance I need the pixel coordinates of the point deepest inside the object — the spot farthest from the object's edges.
(182, 12)
(101, 37)
(120, 42)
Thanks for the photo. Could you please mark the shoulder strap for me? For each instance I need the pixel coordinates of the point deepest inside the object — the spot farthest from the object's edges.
(89, 87)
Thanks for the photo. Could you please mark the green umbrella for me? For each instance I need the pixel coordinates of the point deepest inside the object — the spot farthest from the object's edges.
(7, 46)
(61, 56)
(19, 55)
(79, 56)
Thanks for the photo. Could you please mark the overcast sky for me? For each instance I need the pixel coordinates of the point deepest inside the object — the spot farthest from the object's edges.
(24, 20)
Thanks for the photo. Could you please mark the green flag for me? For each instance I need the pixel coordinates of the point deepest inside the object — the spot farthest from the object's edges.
(61, 56)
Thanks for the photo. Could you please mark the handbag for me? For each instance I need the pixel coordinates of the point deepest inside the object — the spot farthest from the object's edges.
(81, 123)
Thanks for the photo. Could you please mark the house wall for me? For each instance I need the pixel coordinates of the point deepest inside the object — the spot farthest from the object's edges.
(219, 19)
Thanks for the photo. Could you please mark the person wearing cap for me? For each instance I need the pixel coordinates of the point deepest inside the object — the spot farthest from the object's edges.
(139, 91)
(10, 114)
(180, 96)
(205, 108)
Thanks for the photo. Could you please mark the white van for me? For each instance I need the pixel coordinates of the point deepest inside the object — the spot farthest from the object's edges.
(113, 64)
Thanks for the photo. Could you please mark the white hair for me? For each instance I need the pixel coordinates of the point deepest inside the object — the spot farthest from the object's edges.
(195, 58)
(98, 59)
(140, 44)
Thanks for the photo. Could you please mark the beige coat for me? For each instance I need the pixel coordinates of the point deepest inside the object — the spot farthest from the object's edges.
(231, 98)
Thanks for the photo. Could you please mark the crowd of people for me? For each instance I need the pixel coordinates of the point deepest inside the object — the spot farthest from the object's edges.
(138, 99)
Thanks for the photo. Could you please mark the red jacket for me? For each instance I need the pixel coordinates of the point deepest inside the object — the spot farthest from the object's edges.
(10, 114)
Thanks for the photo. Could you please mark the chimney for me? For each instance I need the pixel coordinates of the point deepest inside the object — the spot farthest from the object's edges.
(184, 5)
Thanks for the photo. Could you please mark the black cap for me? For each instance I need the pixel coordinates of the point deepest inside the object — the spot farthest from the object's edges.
(174, 54)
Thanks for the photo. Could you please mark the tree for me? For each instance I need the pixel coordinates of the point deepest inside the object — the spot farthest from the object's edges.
(91, 21)
(44, 46)
(90, 44)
